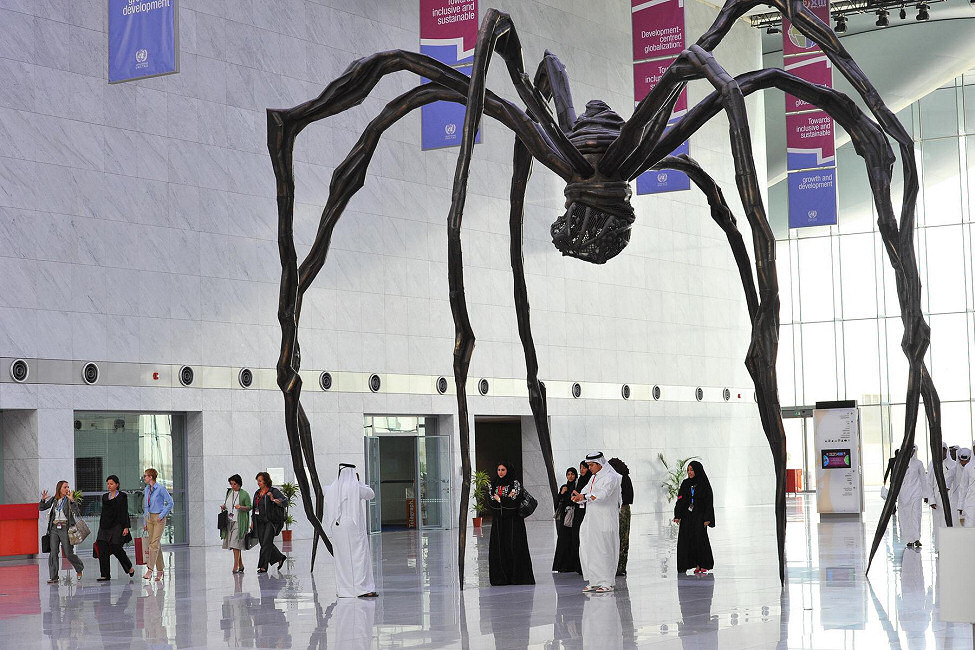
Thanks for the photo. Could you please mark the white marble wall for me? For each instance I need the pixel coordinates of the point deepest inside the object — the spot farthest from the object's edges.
(138, 224)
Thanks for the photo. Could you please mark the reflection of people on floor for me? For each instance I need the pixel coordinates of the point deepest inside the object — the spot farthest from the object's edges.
(354, 621)
(114, 622)
(64, 622)
(913, 604)
(569, 604)
(507, 615)
(601, 626)
(318, 639)
(149, 611)
(625, 606)
(235, 619)
(270, 625)
(697, 629)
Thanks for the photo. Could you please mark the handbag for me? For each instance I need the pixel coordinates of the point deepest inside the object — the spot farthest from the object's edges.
(884, 491)
(94, 549)
(527, 504)
(570, 517)
(250, 539)
(46, 543)
(126, 538)
(141, 550)
(79, 532)
(223, 520)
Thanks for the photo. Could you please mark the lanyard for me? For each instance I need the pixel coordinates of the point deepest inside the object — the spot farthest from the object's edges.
(60, 506)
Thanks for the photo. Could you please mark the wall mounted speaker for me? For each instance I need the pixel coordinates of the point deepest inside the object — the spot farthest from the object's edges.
(625, 391)
(442, 385)
(576, 390)
(699, 393)
(655, 392)
(19, 371)
(483, 387)
(186, 375)
(375, 383)
(726, 394)
(325, 380)
(245, 377)
(90, 373)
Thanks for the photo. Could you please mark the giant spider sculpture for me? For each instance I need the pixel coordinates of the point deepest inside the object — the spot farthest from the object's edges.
(598, 154)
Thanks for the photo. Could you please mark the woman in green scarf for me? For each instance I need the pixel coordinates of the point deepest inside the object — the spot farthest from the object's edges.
(236, 504)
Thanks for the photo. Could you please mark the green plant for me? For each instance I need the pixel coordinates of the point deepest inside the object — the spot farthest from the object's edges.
(290, 492)
(79, 496)
(675, 474)
(481, 482)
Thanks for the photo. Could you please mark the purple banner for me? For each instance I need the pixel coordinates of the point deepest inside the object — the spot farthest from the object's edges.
(647, 74)
(812, 198)
(141, 39)
(809, 140)
(658, 28)
(442, 123)
(815, 68)
(664, 180)
(795, 43)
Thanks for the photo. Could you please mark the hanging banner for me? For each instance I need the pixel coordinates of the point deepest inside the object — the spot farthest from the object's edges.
(448, 33)
(809, 140)
(658, 37)
(793, 42)
(812, 198)
(142, 39)
(815, 69)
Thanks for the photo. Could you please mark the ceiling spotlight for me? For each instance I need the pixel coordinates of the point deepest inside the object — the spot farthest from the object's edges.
(922, 12)
(840, 24)
(882, 18)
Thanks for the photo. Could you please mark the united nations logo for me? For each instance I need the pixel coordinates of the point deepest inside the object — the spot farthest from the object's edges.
(812, 214)
(450, 129)
(141, 56)
(661, 178)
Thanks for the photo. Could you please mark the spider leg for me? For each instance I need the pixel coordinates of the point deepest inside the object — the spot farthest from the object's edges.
(347, 179)
(552, 81)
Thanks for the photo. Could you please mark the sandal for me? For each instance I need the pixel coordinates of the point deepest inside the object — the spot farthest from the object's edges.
(148, 575)
(589, 588)
(602, 590)
(371, 594)
(159, 576)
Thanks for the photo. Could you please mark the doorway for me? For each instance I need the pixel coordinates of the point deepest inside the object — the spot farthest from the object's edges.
(408, 466)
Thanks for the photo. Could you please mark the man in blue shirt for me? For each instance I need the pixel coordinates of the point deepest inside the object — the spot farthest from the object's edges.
(156, 504)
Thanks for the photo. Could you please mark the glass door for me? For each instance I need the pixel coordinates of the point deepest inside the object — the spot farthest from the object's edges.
(372, 479)
(434, 477)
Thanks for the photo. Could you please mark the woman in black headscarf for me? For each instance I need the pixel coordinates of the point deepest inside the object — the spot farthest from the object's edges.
(509, 561)
(695, 513)
(567, 547)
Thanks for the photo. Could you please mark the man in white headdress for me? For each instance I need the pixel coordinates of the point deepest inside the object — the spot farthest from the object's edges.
(959, 486)
(948, 466)
(599, 535)
(913, 490)
(345, 521)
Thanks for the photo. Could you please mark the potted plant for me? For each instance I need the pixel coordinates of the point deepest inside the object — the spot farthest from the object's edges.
(674, 475)
(290, 492)
(481, 482)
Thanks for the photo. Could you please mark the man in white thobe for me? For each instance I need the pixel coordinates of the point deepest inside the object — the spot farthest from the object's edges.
(948, 467)
(913, 490)
(959, 486)
(967, 502)
(345, 522)
(599, 535)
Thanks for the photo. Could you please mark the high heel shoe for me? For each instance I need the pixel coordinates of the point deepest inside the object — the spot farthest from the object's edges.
(148, 575)
(159, 576)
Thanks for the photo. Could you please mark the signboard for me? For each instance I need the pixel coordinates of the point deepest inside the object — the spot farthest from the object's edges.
(141, 39)
(658, 37)
(839, 482)
(448, 33)
(810, 142)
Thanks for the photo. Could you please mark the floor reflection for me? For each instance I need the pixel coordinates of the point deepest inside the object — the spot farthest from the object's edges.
(826, 603)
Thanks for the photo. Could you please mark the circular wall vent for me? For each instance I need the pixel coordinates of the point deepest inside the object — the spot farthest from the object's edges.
(699, 393)
(77, 425)
(726, 394)
(325, 380)
(90, 373)
(625, 391)
(483, 387)
(19, 371)
(375, 383)
(245, 377)
(186, 375)
(655, 392)
(576, 390)
(442, 385)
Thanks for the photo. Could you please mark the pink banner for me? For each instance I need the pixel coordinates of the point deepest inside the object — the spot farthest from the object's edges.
(658, 28)
(448, 30)
(795, 43)
(815, 68)
(647, 74)
(809, 140)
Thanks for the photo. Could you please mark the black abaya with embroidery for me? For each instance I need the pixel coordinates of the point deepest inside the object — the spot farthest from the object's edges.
(695, 505)
(509, 560)
(567, 545)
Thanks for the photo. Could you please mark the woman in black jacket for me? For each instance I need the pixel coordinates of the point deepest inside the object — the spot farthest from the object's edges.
(567, 547)
(113, 530)
(509, 561)
(267, 519)
(695, 514)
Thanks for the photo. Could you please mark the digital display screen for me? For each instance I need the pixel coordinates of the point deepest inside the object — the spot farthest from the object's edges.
(837, 459)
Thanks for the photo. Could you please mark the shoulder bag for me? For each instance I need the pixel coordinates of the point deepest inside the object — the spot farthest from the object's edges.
(79, 532)
(223, 520)
(527, 504)
(46, 543)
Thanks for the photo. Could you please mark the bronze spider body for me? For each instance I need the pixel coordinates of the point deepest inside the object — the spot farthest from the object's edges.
(598, 154)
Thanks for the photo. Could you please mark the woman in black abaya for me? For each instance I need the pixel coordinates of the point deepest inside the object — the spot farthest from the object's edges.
(509, 561)
(695, 514)
(567, 547)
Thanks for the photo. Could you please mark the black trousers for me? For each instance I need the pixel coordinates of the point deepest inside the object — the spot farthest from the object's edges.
(105, 553)
(265, 537)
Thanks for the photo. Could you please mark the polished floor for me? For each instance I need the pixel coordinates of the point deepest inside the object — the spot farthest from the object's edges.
(827, 602)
